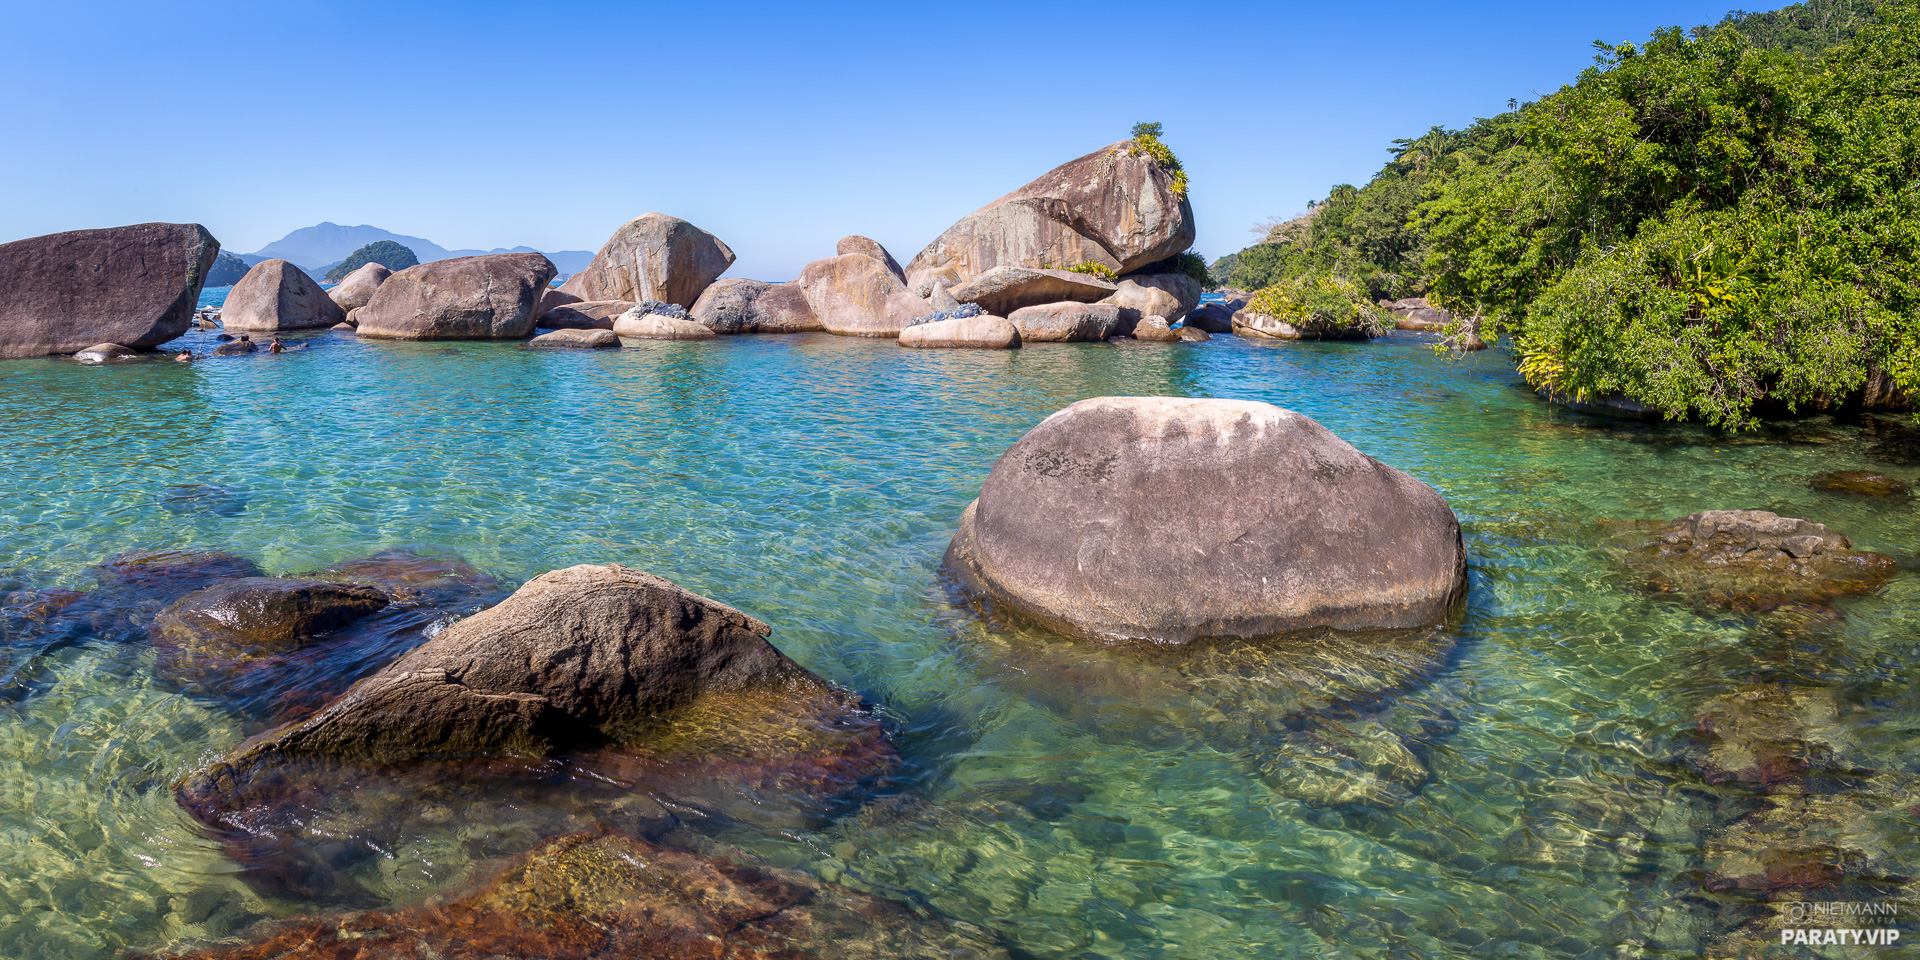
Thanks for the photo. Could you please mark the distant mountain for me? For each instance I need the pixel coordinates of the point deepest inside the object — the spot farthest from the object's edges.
(322, 246)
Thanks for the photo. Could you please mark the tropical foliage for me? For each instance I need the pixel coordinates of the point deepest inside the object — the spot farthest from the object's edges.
(1321, 302)
(387, 253)
(227, 271)
(1146, 141)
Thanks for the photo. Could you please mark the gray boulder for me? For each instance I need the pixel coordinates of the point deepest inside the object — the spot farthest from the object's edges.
(981, 332)
(1112, 207)
(735, 305)
(356, 288)
(1137, 300)
(1087, 525)
(1002, 290)
(1416, 313)
(941, 297)
(135, 286)
(1185, 291)
(1155, 329)
(653, 257)
(1193, 335)
(644, 324)
(489, 297)
(276, 295)
(1211, 317)
(1066, 322)
(568, 338)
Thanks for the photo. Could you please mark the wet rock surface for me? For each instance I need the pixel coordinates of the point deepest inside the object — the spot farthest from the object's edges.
(606, 895)
(1866, 483)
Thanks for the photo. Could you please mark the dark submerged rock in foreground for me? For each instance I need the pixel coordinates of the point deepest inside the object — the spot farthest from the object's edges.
(1089, 526)
(1753, 559)
(606, 895)
(135, 286)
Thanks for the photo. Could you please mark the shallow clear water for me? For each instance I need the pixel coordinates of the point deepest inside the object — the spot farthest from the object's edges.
(1075, 805)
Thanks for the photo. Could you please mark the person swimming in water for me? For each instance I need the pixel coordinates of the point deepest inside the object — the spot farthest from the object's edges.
(276, 346)
(184, 356)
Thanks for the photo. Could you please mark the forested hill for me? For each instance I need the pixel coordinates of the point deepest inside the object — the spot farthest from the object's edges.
(1716, 221)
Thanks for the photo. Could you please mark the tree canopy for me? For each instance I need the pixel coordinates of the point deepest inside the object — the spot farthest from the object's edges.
(387, 253)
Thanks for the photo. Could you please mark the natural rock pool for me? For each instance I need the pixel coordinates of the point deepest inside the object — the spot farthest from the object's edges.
(1566, 769)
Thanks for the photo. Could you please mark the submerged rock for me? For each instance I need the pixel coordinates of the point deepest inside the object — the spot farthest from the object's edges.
(1066, 322)
(1867, 483)
(209, 636)
(136, 286)
(601, 677)
(1087, 525)
(652, 257)
(609, 895)
(1753, 559)
(210, 499)
(276, 295)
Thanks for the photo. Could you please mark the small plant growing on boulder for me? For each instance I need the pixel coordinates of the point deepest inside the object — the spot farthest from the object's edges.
(1146, 141)
(1093, 269)
(1321, 302)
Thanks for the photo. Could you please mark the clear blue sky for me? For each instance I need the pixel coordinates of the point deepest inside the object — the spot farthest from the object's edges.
(779, 127)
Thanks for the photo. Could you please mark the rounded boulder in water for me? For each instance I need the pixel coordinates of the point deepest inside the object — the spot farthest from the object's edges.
(1173, 519)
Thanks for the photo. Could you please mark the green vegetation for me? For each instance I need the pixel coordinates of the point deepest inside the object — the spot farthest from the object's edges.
(1189, 263)
(1091, 268)
(1709, 223)
(227, 271)
(386, 253)
(1146, 140)
(1321, 302)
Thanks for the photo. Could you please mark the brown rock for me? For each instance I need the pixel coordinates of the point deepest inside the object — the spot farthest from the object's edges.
(356, 288)
(871, 248)
(1211, 317)
(1882, 394)
(577, 339)
(1085, 526)
(490, 297)
(1184, 290)
(1867, 483)
(1755, 560)
(276, 295)
(653, 257)
(1138, 301)
(1417, 314)
(1259, 326)
(551, 298)
(135, 286)
(1109, 207)
(1066, 322)
(659, 326)
(981, 332)
(735, 305)
(783, 308)
(1193, 335)
(855, 295)
(1155, 329)
(584, 315)
(1003, 290)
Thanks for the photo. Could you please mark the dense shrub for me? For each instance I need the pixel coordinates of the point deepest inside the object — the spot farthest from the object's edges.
(387, 253)
(1321, 302)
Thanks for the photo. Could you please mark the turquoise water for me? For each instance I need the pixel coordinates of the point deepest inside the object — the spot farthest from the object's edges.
(1074, 802)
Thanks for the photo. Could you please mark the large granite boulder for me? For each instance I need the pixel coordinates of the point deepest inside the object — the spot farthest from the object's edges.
(1088, 525)
(276, 295)
(356, 288)
(1211, 317)
(979, 332)
(584, 315)
(1419, 315)
(736, 305)
(488, 297)
(653, 257)
(1184, 290)
(1066, 322)
(868, 246)
(1002, 290)
(1137, 301)
(855, 295)
(135, 286)
(1111, 207)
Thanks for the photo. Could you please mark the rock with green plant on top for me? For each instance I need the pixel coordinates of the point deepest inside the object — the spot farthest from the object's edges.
(855, 295)
(1314, 306)
(1121, 207)
(1003, 290)
(653, 257)
(1066, 322)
